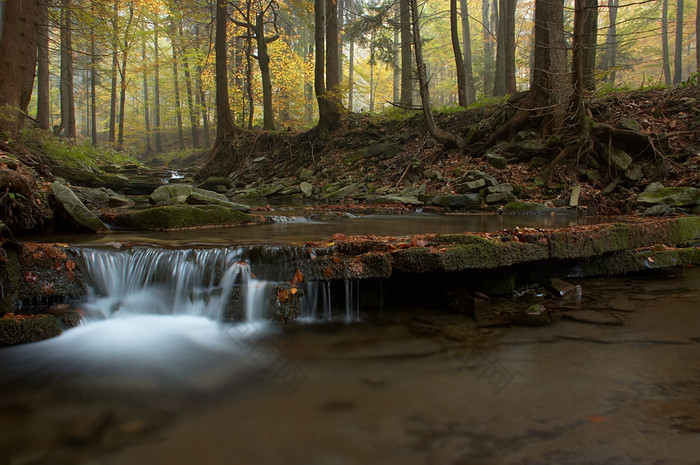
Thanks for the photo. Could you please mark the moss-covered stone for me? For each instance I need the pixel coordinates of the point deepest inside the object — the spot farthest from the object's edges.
(524, 207)
(181, 217)
(673, 196)
(27, 328)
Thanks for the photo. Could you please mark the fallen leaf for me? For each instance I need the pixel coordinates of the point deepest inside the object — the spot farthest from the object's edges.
(596, 418)
(282, 295)
(29, 277)
(293, 290)
(651, 260)
(47, 288)
(328, 272)
(298, 278)
(70, 265)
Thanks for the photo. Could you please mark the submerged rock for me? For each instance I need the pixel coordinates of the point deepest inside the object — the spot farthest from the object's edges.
(534, 315)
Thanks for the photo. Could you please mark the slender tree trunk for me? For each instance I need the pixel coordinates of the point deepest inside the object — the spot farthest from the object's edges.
(249, 74)
(42, 76)
(156, 89)
(188, 87)
(488, 48)
(505, 50)
(225, 128)
(590, 39)
(146, 109)
(18, 54)
(665, 58)
(122, 76)
(459, 60)
(678, 53)
(697, 43)
(440, 135)
(351, 60)
(115, 68)
(67, 86)
(202, 98)
(406, 60)
(264, 64)
(327, 92)
(396, 95)
(309, 86)
(341, 35)
(467, 41)
(611, 41)
(332, 50)
(178, 108)
(510, 46)
(93, 86)
(577, 112)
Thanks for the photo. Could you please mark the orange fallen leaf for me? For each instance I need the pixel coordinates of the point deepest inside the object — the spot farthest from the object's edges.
(298, 278)
(293, 290)
(596, 418)
(328, 272)
(282, 295)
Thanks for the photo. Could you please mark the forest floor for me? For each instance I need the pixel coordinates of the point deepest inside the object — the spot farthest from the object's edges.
(659, 129)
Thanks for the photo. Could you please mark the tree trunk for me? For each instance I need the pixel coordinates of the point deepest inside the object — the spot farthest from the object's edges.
(396, 87)
(577, 110)
(340, 24)
(678, 53)
(665, 59)
(225, 128)
(93, 86)
(146, 109)
(332, 52)
(43, 108)
(697, 44)
(467, 40)
(309, 85)
(178, 109)
(188, 87)
(328, 112)
(440, 135)
(156, 89)
(67, 127)
(505, 50)
(122, 76)
(459, 60)
(406, 60)
(115, 67)
(18, 53)
(264, 64)
(590, 39)
(488, 48)
(611, 41)
(351, 60)
(202, 98)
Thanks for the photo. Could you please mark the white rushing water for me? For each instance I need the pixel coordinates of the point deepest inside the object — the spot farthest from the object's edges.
(154, 321)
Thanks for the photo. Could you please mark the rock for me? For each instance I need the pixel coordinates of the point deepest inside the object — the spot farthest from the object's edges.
(178, 194)
(218, 184)
(22, 329)
(456, 201)
(521, 207)
(181, 217)
(653, 187)
(117, 182)
(305, 174)
(593, 317)
(630, 124)
(99, 196)
(141, 185)
(592, 175)
(119, 200)
(499, 197)
(575, 195)
(534, 315)
(673, 196)
(476, 185)
(618, 158)
(495, 160)
(611, 187)
(634, 172)
(476, 174)
(563, 289)
(341, 193)
(658, 210)
(76, 210)
(307, 189)
(539, 161)
(382, 150)
(380, 199)
(505, 188)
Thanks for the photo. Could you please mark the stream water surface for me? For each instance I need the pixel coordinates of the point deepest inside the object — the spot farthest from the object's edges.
(155, 378)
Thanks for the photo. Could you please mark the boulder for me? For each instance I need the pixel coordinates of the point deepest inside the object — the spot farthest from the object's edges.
(307, 189)
(658, 210)
(380, 199)
(505, 188)
(673, 196)
(76, 210)
(455, 202)
(495, 160)
(178, 194)
(618, 158)
(181, 217)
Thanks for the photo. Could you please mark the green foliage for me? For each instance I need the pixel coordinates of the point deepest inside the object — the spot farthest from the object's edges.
(76, 154)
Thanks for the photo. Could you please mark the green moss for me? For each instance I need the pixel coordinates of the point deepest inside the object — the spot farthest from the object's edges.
(464, 239)
(523, 207)
(14, 330)
(181, 217)
(685, 230)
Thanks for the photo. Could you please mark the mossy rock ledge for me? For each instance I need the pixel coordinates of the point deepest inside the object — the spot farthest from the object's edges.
(179, 217)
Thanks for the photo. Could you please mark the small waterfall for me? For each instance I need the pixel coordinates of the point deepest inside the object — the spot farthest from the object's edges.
(318, 305)
(197, 282)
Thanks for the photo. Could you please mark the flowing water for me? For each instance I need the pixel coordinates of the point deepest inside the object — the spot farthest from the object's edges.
(156, 377)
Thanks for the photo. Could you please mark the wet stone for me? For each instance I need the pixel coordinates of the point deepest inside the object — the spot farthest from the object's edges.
(563, 289)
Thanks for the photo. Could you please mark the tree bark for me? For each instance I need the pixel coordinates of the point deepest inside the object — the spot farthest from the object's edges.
(202, 98)
(351, 60)
(146, 109)
(188, 87)
(67, 127)
(697, 44)
(156, 89)
(611, 41)
(225, 128)
(577, 109)
(440, 135)
(122, 75)
(326, 38)
(115, 66)
(264, 64)
(459, 60)
(590, 39)
(396, 87)
(406, 60)
(488, 48)
(665, 58)
(678, 53)
(504, 81)
(42, 76)
(178, 107)
(93, 87)
(18, 53)
(467, 40)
